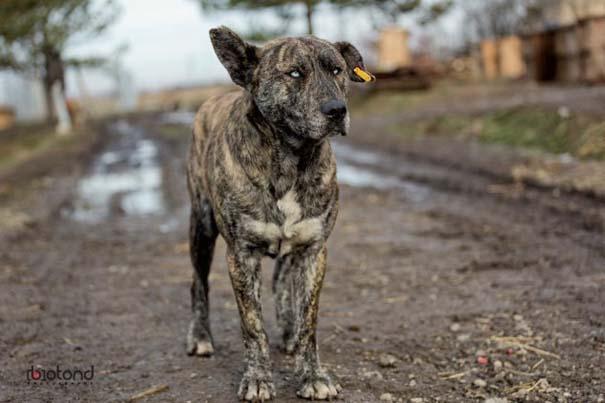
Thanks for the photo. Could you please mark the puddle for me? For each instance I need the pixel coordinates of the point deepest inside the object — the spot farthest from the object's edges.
(349, 153)
(356, 167)
(360, 168)
(185, 118)
(124, 180)
(127, 179)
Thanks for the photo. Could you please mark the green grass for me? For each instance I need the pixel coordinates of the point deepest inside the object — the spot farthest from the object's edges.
(546, 130)
(592, 142)
(529, 127)
(387, 102)
(24, 142)
(17, 144)
(446, 125)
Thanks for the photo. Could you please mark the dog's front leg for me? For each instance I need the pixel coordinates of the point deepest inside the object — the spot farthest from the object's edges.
(244, 270)
(309, 270)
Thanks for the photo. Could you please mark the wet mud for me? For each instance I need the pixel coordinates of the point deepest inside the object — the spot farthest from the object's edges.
(442, 285)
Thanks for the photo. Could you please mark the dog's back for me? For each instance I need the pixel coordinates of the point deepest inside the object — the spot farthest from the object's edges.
(211, 115)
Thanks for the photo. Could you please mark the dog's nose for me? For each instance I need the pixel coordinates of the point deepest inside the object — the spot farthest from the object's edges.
(334, 109)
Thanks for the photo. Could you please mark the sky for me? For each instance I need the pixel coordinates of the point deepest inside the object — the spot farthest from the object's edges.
(168, 44)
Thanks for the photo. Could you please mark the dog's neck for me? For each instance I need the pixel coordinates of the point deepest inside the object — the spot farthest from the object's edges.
(287, 158)
(298, 144)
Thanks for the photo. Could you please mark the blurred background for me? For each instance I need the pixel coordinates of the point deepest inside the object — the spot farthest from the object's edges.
(467, 261)
(111, 57)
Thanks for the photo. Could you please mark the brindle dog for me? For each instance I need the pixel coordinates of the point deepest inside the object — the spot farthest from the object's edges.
(262, 174)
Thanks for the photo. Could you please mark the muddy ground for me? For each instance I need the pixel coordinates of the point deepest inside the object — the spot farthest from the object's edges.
(445, 283)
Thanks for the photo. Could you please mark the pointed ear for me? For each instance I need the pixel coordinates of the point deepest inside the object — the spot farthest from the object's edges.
(239, 58)
(355, 67)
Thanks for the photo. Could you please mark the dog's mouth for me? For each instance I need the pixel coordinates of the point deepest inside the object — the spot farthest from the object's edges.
(336, 133)
(340, 128)
(333, 130)
(318, 130)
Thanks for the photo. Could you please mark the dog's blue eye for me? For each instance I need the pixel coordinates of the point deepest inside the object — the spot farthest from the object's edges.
(336, 71)
(295, 74)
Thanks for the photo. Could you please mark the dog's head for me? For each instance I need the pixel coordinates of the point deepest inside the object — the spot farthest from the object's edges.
(298, 84)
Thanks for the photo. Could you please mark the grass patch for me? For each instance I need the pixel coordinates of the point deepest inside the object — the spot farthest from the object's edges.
(392, 102)
(546, 130)
(19, 143)
(447, 125)
(388, 102)
(528, 127)
(592, 142)
(424, 113)
(531, 128)
(24, 142)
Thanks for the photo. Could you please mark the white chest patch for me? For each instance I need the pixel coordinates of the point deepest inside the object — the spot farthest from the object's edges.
(294, 231)
(291, 209)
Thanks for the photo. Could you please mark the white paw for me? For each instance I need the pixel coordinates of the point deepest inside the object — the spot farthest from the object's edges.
(252, 389)
(204, 349)
(320, 388)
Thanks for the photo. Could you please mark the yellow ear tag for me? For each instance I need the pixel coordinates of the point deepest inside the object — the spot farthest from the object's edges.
(364, 75)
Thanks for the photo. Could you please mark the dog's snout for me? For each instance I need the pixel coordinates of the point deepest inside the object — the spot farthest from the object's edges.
(334, 109)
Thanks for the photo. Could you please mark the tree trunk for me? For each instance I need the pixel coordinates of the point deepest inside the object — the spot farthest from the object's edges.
(50, 103)
(54, 71)
(309, 5)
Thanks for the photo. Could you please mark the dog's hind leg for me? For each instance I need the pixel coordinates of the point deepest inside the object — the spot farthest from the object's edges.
(283, 290)
(202, 237)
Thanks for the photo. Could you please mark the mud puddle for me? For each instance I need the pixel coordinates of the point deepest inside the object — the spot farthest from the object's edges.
(125, 179)
(356, 167)
(367, 169)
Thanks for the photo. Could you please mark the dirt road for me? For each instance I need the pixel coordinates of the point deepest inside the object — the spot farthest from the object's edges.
(443, 284)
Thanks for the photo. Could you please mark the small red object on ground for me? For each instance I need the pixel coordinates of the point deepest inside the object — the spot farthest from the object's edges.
(482, 360)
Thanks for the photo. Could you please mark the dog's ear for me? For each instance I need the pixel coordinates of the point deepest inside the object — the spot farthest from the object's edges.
(239, 58)
(355, 67)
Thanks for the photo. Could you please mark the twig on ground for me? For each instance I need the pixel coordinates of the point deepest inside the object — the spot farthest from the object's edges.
(515, 342)
(537, 364)
(447, 375)
(514, 371)
(148, 392)
(329, 338)
(399, 298)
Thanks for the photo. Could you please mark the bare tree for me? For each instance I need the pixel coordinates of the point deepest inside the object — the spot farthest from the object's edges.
(497, 18)
(428, 10)
(35, 33)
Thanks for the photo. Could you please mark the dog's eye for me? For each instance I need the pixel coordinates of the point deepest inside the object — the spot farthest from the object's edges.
(295, 74)
(336, 71)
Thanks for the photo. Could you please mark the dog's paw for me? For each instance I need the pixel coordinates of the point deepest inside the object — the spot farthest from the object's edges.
(319, 387)
(198, 345)
(288, 345)
(201, 348)
(255, 388)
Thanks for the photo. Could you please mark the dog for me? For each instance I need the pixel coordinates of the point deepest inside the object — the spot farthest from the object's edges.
(261, 173)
